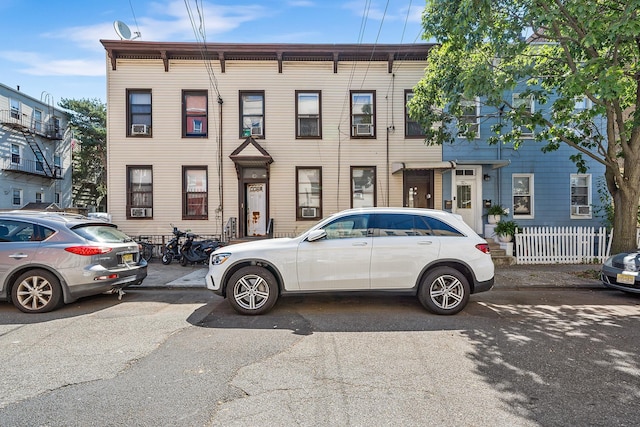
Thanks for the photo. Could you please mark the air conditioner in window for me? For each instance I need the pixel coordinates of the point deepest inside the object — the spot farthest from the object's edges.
(139, 129)
(309, 212)
(364, 129)
(141, 212)
(256, 130)
(581, 210)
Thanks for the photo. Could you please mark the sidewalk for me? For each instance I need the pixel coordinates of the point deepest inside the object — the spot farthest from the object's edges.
(507, 277)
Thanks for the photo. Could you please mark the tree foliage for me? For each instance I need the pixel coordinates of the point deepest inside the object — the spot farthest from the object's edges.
(87, 119)
(557, 51)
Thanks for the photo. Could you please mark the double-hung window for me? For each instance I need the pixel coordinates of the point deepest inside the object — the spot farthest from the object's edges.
(37, 120)
(308, 123)
(363, 115)
(525, 103)
(363, 186)
(252, 114)
(139, 112)
(14, 106)
(15, 154)
(522, 193)
(195, 192)
(194, 114)
(139, 192)
(580, 196)
(412, 129)
(309, 194)
(469, 121)
(17, 197)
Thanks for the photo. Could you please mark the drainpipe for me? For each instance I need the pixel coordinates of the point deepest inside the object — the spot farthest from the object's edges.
(221, 172)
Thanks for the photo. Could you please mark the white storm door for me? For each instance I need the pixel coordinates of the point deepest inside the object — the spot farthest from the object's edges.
(256, 209)
(465, 202)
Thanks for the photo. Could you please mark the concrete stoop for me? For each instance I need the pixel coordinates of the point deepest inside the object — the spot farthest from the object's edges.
(499, 255)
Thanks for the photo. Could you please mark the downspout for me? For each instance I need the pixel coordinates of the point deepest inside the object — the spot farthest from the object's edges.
(221, 172)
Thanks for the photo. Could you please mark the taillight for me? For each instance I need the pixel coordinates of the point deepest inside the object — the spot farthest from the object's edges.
(483, 247)
(87, 250)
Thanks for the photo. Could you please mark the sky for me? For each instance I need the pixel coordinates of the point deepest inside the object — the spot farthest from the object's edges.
(51, 49)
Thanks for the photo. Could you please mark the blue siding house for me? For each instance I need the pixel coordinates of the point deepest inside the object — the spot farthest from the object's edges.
(536, 188)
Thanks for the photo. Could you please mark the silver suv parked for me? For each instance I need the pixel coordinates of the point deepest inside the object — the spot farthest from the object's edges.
(47, 259)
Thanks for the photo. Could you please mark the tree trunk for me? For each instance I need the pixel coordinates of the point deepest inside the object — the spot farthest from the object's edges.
(625, 218)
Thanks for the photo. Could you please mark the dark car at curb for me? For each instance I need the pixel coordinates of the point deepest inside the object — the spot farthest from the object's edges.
(51, 258)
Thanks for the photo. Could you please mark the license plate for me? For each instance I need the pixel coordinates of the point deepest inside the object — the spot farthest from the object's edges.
(127, 258)
(626, 279)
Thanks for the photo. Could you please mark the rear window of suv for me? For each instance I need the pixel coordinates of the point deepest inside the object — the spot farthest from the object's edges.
(101, 233)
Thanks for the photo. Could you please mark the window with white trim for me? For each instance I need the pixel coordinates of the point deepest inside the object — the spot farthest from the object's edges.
(580, 196)
(17, 197)
(528, 105)
(15, 154)
(14, 106)
(195, 193)
(522, 195)
(470, 119)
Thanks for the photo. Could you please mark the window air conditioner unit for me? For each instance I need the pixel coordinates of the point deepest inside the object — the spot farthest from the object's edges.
(364, 129)
(581, 210)
(256, 130)
(139, 129)
(309, 212)
(141, 212)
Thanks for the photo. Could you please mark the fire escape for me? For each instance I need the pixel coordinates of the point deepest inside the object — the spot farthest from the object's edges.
(30, 130)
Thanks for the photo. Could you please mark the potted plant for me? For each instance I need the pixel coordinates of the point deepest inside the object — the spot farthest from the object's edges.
(505, 230)
(494, 213)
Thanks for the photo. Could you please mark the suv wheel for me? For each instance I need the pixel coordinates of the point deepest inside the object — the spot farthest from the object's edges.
(36, 291)
(444, 291)
(252, 290)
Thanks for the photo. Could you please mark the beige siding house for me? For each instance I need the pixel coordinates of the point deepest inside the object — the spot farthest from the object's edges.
(245, 140)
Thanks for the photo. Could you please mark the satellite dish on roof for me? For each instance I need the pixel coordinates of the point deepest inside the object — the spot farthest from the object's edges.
(123, 31)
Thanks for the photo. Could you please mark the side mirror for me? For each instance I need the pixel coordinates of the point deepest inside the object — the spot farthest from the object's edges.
(316, 235)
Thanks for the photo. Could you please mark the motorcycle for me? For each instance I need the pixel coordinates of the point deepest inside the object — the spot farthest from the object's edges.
(197, 251)
(172, 250)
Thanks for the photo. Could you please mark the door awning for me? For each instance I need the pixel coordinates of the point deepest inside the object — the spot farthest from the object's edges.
(494, 163)
(400, 166)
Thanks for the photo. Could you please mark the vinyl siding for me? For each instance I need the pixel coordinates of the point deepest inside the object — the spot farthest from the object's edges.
(336, 152)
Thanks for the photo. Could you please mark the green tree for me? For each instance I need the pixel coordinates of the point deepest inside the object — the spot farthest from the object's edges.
(559, 51)
(88, 119)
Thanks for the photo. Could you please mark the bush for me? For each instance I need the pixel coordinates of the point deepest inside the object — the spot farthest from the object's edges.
(496, 210)
(506, 228)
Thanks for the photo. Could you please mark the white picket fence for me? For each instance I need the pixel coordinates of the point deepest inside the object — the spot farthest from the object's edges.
(562, 245)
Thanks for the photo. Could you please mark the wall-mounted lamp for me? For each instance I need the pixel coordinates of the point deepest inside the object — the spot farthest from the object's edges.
(486, 177)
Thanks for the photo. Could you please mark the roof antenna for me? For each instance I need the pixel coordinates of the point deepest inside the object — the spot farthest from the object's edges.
(123, 31)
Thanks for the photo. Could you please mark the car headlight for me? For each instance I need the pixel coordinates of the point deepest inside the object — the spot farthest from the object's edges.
(217, 259)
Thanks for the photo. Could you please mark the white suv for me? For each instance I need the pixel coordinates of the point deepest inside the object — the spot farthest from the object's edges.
(431, 253)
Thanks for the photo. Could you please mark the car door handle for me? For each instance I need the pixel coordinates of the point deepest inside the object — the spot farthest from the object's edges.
(428, 242)
(359, 244)
(18, 256)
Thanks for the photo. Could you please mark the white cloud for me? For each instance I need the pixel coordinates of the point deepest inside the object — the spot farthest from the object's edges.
(36, 64)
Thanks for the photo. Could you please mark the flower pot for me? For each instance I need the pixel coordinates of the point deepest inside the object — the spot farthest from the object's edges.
(493, 219)
(505, 238)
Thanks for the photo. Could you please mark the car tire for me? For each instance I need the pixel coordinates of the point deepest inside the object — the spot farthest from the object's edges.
(166, 259)
(444, 290)
(252, 290)
(36, 291)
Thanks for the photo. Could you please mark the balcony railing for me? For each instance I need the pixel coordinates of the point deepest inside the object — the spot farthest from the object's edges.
(31, 167)
(19, 121)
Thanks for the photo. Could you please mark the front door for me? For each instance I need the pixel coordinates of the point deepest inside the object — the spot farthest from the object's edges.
(256, 209)
(466, 200)
(418, 188)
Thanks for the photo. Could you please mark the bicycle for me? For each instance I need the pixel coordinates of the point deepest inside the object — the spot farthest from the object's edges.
(146, 247)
